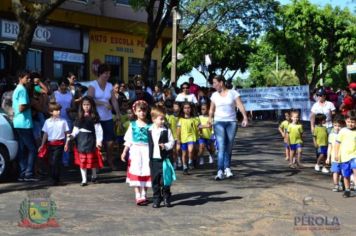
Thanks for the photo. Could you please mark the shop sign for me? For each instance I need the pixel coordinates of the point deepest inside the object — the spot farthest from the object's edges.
(68, 57)
(49, 36)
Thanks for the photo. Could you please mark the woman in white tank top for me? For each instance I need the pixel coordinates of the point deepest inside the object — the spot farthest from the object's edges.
(102, 93)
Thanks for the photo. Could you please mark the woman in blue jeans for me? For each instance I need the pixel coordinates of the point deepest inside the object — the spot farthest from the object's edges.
(223, 111)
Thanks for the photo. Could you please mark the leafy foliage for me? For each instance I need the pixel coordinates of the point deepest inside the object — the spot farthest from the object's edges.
(309, 35)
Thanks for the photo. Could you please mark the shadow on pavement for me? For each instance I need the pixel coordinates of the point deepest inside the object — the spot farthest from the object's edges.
(200, 198)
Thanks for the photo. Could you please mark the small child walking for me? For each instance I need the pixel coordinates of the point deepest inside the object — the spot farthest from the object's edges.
(205, 140)
(295, 140)
(136, 148)
(345, 150)
(160, 143)
(320, 139)
(283, 130)
(54, 130)
(338, 124)
(172, 124)
(187, 135)
(88, 135)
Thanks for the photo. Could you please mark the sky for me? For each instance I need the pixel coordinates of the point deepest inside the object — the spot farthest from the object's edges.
(200, 80)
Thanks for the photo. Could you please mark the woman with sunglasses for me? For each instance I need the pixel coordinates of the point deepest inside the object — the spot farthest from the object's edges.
(185, 96)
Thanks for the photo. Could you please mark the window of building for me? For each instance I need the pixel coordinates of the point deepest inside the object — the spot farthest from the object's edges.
(81, 1)
(135, 69)
(123, 2)
(34, 60)
(116, 65)
(65, 62)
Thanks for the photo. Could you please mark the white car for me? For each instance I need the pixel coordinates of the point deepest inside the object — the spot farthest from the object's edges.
(8, 144)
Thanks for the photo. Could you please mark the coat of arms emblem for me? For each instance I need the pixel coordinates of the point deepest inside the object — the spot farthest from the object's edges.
(38, 211)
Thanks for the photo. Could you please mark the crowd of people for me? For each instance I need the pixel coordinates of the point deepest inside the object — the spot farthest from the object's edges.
(160, 131)
(333, 127)
(156, 132)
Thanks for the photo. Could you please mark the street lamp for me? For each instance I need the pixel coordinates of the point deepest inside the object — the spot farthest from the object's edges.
(176, 17)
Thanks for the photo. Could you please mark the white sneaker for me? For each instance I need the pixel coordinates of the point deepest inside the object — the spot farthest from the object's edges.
(220, 175)
(317, 168)
(325, 170)
(228, 173)
(201, 161)
(179, 162)
(211, 159)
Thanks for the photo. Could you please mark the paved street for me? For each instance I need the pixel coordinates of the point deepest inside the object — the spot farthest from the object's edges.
(264, 198)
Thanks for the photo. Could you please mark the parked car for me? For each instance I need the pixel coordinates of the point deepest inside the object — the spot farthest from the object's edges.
(8, 144)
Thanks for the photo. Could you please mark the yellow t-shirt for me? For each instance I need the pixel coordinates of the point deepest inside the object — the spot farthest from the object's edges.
(332, 140)
(321, 135)
(172, 122)
(347, 140)
(188, 129)
(123, 125)
(205, 132)
(284, 125)
(295, 132)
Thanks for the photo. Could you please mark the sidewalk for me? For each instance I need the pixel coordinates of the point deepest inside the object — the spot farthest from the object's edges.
(264, 198)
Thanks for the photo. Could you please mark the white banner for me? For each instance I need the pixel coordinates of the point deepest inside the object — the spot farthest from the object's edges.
(276, 98)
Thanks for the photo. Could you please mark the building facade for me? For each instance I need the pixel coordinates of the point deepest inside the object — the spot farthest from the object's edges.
(79, 35)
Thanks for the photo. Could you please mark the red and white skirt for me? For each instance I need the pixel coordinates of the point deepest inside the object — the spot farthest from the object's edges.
(138, 167)
(88, 160)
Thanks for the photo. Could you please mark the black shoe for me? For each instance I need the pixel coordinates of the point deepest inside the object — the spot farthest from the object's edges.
(31, 179)
(191, 166)
(155, 205)
(167, 202)
(185, 171)
(347, 193)
(20, 179)
(94, 180)
(83, 184)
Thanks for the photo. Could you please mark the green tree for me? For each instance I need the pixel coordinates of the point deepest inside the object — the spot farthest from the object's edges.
(28, 15)
(310, 36)
(228, 52)
(201, 18)
(158, 15)
(263, 68)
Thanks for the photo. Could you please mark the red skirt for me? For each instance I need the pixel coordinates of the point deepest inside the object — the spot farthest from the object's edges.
(88, 160)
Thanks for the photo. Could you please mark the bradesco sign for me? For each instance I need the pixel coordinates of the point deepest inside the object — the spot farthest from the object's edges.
(44, 35)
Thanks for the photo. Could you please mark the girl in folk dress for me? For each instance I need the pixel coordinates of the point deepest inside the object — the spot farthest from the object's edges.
(89, 136)
(136, 143)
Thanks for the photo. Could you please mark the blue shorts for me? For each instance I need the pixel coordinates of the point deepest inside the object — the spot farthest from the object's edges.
(286, 145)
(296, 146)
(323, 150)
(205, 141)
(108, 130)
(353, 163)
(184, 146)
(335, 167)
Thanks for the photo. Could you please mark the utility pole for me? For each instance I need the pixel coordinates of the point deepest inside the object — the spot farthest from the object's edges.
(176, 17)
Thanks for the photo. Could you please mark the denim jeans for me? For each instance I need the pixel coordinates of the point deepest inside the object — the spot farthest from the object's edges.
(225, 132)
(26, 162)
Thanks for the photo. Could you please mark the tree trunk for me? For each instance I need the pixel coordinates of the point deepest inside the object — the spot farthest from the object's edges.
(147, 56)
(22, 44)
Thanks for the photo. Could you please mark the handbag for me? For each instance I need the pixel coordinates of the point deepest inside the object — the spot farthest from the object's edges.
(42, 153)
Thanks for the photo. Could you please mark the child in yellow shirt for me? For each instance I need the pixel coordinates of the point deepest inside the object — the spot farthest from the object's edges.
(320, 139)
(338, 123)
(283, 130)
(295, 140)
(187, 135)
(345, 150)
(206, 134)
